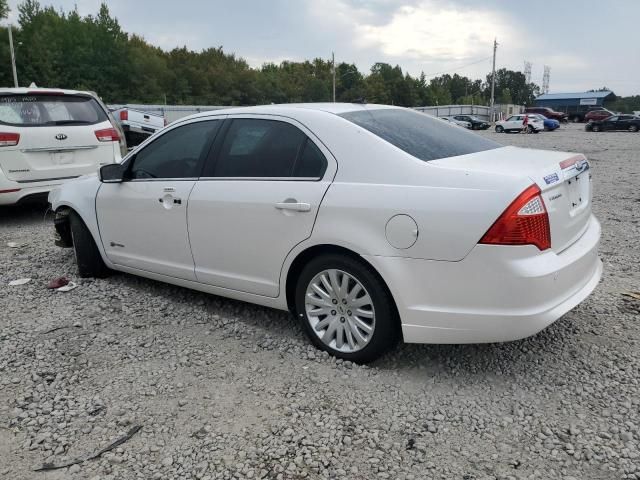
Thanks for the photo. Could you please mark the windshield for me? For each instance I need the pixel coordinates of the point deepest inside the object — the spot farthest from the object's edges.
(33, 110)
(419, 134)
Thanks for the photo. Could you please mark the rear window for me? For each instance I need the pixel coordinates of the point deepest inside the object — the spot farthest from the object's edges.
(419, 134)
(44, 110)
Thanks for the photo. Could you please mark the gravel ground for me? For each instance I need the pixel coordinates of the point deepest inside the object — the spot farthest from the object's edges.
(227, 390)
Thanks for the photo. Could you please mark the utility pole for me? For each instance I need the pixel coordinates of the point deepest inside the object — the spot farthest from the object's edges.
(13, 58)
(493, 79)
(333, 71)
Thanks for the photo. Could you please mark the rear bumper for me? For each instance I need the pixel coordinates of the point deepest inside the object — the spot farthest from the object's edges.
(496, 294)
(14, 192)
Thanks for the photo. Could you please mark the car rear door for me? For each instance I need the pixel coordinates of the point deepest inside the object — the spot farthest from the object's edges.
(258, 198)
(60, 136)
(143, 220)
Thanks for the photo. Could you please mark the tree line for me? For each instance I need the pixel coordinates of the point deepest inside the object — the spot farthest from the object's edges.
(63, 49)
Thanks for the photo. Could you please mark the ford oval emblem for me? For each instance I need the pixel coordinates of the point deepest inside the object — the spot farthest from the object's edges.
(61, 136)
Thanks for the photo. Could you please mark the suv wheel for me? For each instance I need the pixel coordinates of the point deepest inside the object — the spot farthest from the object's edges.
(499, 129)
(345, 308)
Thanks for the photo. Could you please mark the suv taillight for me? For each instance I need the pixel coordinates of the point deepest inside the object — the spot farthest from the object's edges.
(524, 222)
(124, 115)
(9, 139)
(107, 135)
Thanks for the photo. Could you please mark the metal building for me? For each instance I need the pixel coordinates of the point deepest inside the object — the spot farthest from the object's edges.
(575, 104)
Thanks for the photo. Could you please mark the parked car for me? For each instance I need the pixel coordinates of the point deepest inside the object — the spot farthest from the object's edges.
(459, 123)
(476, 123)
(138, 125)
(515, 123)
(614, 122)
(549, 123)
(548, 113)
(371, 223)
(599, 114)
(48, 136)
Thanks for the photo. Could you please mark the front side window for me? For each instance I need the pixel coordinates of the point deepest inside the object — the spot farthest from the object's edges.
(175, 154)
(33, 110)
(257, 148)
(418, 134)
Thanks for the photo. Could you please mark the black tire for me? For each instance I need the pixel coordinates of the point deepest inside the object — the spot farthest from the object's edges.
(387, 327)
(530, 129)
(633, 128)
(499, 129)
(88, 257)
(576, 119)
(595, 128)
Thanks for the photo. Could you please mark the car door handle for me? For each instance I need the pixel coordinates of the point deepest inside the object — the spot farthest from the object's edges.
(295, 206)
(177, 201)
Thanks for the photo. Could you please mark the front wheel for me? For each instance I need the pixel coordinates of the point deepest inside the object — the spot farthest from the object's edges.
(346, 309)
(530, 129)
(633, 128)
(499, 129)
(595, 128)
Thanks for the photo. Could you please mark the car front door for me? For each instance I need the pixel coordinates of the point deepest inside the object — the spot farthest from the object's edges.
(514, 122)
(610, 123)
(143, 220)
(257, 199)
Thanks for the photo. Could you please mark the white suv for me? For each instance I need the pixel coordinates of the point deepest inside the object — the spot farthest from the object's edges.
(515, 123)
(48, 136)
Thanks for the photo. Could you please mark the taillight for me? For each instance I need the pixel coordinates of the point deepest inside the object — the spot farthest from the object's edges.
(124, 115)
(524, 222)
(9, 139)
(107, 135)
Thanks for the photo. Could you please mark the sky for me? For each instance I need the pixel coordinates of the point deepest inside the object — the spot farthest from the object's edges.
(586, 43)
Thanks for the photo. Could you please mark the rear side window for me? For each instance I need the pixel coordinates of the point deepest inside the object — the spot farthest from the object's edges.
(49, 110)
(419, 134)
(256, 148)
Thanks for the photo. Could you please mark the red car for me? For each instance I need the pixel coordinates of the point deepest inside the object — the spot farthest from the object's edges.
(600, 114)
(549, 113)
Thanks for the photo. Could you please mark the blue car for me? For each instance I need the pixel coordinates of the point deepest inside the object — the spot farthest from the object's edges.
(549, 123)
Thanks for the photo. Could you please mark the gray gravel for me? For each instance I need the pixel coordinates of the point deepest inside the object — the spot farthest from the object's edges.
(228, 390)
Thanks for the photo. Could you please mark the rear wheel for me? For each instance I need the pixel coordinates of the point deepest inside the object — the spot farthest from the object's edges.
(499, 129)
(595, 128)
(633, 128)
(345, 308)
(88, 257)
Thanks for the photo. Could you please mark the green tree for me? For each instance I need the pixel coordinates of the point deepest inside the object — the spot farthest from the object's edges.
(4, 9)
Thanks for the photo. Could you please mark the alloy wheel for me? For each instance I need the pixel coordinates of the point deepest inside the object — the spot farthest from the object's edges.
(340, 311)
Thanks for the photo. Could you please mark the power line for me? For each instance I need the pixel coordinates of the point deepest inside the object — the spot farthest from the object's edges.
(459, 68)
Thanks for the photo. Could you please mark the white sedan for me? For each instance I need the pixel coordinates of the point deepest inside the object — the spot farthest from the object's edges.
(371, 223)
(515, 123)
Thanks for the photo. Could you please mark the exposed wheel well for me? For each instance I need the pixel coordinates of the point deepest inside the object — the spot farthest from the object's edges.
(312, 252)
(63, 226)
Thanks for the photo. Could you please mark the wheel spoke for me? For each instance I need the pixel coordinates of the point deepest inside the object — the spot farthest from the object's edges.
(361, 301)
(329, 333)
(364, 313)
(327, 284)
(335, 284)
(324, 295)
(350, 340)
(317, 302)
(357, 288)
(323, 323)
(357, 334)
(340, 335)
(362, 325)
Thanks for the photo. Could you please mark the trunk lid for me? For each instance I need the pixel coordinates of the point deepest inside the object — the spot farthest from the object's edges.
(563, 178)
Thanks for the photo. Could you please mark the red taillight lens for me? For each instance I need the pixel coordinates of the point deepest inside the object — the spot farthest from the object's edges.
(524, 222)
(107, 135)
(124, 115)
(9, 139)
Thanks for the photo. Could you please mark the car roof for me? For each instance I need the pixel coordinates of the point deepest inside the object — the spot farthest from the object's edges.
(36, 90)
(293, 108)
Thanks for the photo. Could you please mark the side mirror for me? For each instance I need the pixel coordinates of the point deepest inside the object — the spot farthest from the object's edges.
(112, 173)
